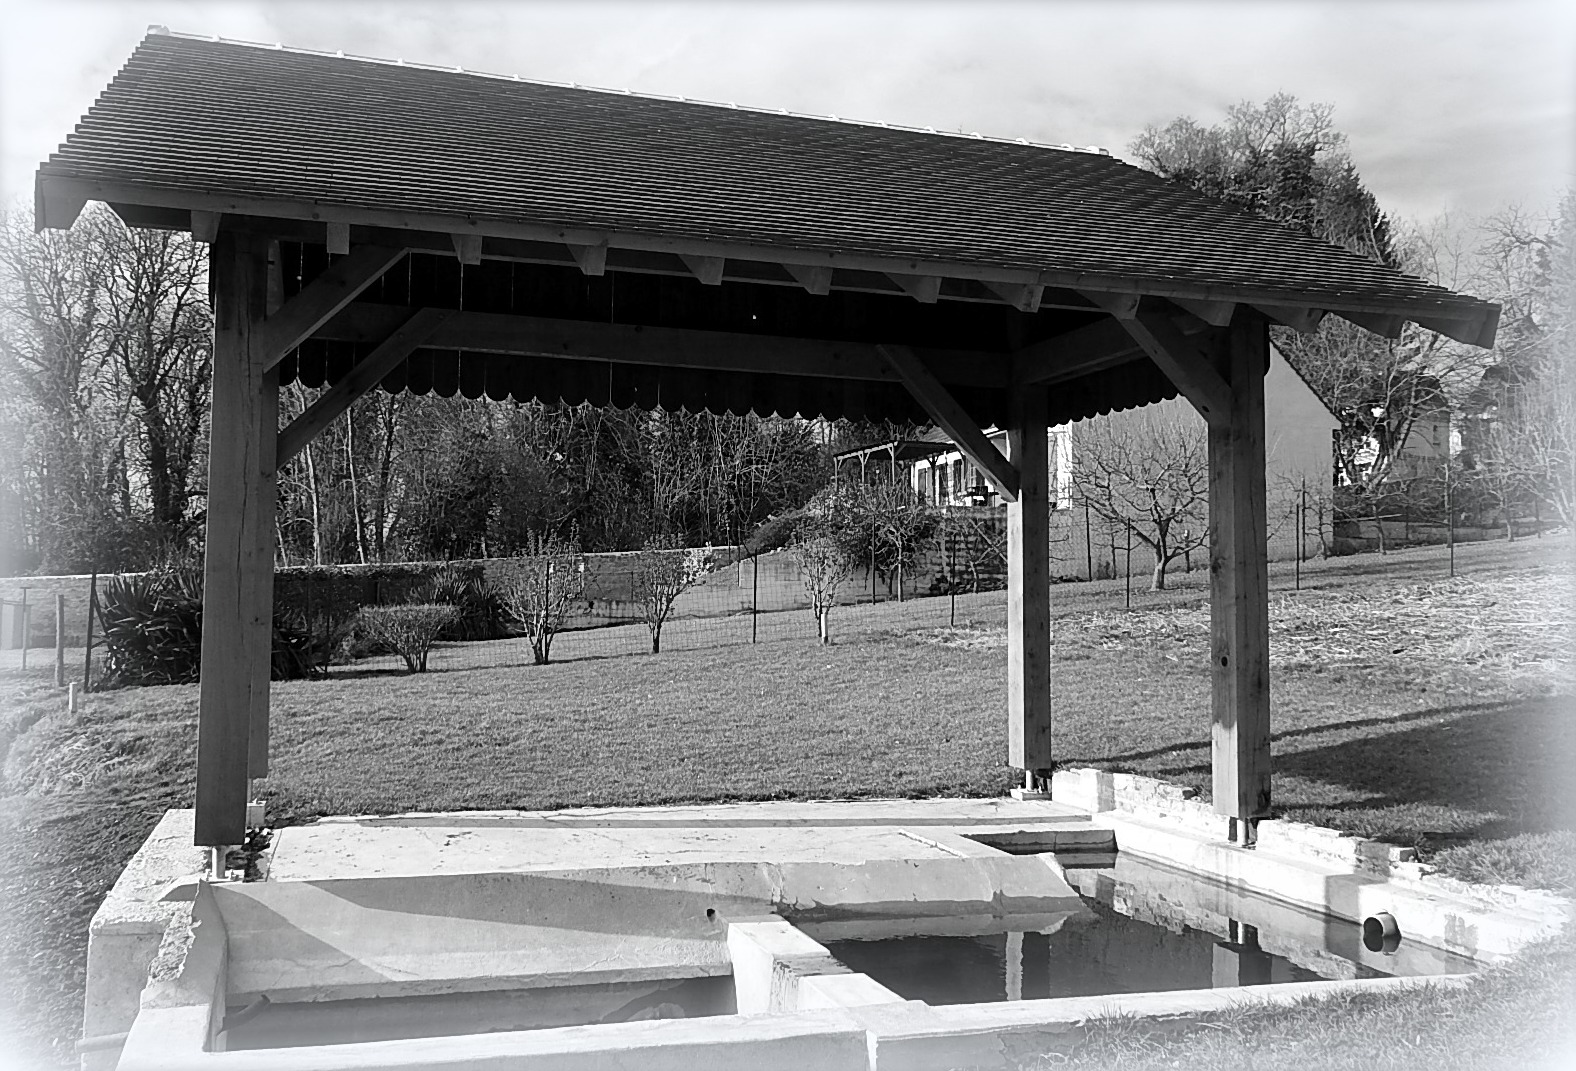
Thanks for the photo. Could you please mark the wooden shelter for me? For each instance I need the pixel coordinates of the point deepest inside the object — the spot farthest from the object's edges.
(379, 224)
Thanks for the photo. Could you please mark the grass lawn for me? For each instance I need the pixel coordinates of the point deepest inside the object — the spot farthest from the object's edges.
(1430, 711)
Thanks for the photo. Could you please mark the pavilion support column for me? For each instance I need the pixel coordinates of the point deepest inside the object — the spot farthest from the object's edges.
(260, 594)
(1239, 588)
(238, 558)
(1029, 592)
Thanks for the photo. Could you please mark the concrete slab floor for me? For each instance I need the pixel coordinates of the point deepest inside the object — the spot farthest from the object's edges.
(846, 833)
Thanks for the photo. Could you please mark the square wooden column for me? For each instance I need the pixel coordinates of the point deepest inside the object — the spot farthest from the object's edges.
(238, 558)
(1239, 586)
(1029, 589)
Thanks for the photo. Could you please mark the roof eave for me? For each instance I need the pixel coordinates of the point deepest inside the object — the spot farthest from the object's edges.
(59, 198)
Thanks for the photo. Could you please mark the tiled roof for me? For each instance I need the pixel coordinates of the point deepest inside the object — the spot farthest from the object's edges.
(203, 117)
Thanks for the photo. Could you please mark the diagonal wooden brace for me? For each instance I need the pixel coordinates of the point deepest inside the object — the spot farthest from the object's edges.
(951, 418)
(316, 304)
(367, 373)
(1180, 359)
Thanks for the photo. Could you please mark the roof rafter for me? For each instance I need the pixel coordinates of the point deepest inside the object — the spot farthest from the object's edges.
(707, 269)
(953, 419)
(57, 193)
(721, 351)
(321, 299)
(365, 375)
(924, 289)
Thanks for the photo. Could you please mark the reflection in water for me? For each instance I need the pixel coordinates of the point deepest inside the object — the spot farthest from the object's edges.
(1110, 953)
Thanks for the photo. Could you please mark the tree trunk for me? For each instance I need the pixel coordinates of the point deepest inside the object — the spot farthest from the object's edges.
(356, 519)
(1157, 582)
(656, 640)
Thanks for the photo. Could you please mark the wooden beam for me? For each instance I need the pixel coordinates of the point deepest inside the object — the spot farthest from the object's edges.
(1122, 305)
(924, 289)
(1239, 589)
(816, 280)
(1029, 588)
(259, 582)
(205, 226)
(1179, 358)
(719, 351)
(707, 269)
(331, 291)
(1298, 319)
(468, 247)
(338, 239)
(951, 418)
(592, 259)
(1387, 326)
(57, 205)
(1214, 313)
(1102, 344)
(367, 373)
(237, 506)
(1025, 297)
(1479, 331)
(439, 224)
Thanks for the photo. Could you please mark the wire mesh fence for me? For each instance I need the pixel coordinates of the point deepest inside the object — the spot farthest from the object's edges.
(47, 623)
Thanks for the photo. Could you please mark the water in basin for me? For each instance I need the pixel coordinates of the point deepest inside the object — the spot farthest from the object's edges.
(397, 1018)
(1149, 928)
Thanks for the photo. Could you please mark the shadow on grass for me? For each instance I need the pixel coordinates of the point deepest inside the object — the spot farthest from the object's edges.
(1446, 774)
(1510, 758)
(1127, 758)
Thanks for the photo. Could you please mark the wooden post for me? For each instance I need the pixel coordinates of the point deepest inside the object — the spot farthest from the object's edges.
(260, 582)
(60, 640)
(1239, 588)
(235, 616)
(87, 650)
(1029, 589)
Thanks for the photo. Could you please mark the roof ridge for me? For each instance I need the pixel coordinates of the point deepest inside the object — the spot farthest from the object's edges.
(973, 135)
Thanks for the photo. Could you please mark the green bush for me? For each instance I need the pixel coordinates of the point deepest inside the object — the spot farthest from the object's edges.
(409, 630)
(478, 605)
(152, 628)
(152, 633)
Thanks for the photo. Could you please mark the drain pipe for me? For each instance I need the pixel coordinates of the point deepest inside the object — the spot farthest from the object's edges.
(1381, 933)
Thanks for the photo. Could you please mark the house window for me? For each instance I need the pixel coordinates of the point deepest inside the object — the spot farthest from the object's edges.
(942, 497)
(958, 485)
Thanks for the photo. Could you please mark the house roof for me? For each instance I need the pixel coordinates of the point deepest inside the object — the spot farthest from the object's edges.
(220, 125)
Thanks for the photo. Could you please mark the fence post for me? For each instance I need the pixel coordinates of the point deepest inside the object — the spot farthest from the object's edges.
(755, 592)
(1129, 568)
(27, 625)
(1088, 541)
(87, 651)
(60, 640)
(1450, 523)
(872, 559)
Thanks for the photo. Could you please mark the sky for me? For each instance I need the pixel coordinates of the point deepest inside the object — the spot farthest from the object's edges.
(1458, 106)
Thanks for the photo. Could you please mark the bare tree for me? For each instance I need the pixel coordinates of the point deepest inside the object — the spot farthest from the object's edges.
(53, 359)
(552, 580)
(159, 336)
(663, 571)
(1148, 473)
(823, 564)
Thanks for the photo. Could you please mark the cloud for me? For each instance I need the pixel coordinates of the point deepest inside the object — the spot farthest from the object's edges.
(1456, 104)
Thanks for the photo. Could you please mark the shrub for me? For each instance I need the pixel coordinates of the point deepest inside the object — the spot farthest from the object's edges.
(479, 607)
(552, 580)
(823, 565)
(152, 628)
(409, 630)
(664, 570)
